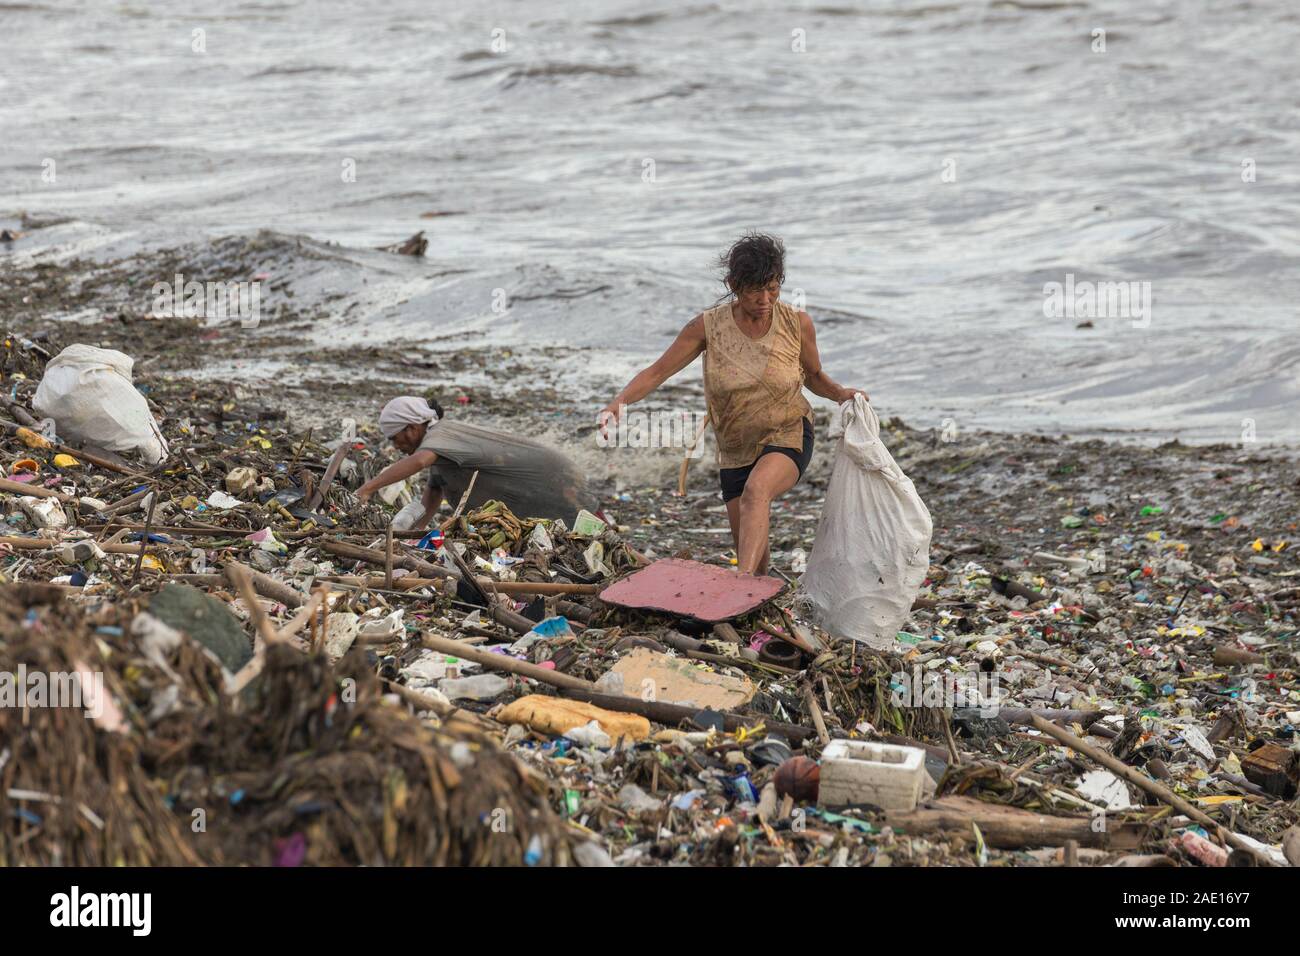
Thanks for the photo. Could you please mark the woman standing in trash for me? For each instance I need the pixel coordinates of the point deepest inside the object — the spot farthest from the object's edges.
(759, 354)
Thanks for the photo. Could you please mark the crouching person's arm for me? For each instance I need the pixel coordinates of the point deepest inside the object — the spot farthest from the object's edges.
(397, 471)
(432, 502)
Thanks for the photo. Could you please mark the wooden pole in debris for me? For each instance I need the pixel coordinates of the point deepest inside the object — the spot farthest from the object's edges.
(1138, 779)
(1226, 656)
(673, 714)
(240, 580)
(144, 538)
(357, 553)
(686, 458)
(409, 583)
(24, 417)
(1010, 828)
(304, 615)
(815, 712)
(42, 544)
(20, 488)
(40, 441)
(266, 585)
(388, 560)
(97, 460)
(460, 506)
(501, 662)
(339, 454)
(124, 504)
(422, 701)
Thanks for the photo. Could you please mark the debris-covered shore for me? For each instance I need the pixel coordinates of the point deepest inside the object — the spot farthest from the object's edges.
(279, 687)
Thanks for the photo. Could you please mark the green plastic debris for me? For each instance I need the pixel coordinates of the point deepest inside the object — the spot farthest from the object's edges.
(206, 620)
(838, 818)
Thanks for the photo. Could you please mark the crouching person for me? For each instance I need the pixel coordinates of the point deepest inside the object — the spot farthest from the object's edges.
(532, 479)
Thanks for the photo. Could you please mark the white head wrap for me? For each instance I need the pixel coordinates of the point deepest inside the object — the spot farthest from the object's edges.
(404, 411)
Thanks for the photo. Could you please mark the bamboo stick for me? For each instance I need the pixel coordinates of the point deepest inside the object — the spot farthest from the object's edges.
(511, 665)
(1159, 791)
(22, 488)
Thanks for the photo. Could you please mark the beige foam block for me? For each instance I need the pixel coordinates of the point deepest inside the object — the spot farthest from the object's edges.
(677, 680)
(554, 715)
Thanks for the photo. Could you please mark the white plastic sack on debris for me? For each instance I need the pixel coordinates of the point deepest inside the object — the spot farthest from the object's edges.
(872, 548)
(88, 393)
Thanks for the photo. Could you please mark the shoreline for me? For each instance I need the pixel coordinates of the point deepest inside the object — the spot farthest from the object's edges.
(366, 313)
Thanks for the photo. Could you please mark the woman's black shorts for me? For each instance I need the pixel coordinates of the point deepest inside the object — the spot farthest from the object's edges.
(733, 479)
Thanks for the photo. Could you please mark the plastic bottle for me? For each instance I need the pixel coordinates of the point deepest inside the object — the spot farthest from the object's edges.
(405, 520)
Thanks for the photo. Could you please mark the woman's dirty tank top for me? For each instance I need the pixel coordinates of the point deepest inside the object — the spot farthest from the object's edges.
(754, 387)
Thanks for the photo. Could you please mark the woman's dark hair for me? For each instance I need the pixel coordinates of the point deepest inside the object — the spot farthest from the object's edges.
(753, 260)
(433, 403)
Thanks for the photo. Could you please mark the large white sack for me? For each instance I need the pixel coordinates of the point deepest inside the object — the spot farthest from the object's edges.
(873, 540)
(88, 393)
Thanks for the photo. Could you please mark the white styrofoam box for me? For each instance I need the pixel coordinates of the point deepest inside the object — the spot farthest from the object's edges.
(884, 775)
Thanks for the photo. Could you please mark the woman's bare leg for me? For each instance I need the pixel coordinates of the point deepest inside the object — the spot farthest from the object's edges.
(733, 516)
(773, 476)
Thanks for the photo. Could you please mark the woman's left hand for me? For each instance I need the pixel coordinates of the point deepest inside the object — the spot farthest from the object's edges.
(850, 393)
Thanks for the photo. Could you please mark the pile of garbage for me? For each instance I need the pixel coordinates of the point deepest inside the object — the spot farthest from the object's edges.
(129, 746)
(286, 680)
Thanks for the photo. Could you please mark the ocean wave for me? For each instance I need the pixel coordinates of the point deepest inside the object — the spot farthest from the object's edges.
(512, 75)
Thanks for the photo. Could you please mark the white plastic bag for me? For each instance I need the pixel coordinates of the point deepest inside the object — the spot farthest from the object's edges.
(409, 517)
(873, 540)
(88, 393)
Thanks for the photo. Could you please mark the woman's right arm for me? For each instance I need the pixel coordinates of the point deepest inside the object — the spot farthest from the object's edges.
(686, 348)
(397, 471)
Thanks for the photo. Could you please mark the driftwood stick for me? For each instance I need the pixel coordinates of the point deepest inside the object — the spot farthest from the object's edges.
(460, 506)
(239, 579)
(144, 537)
(1024, 716)
(420, 701)
(388, 560)
(1160, 792)
(409, 583)
(501, 662)
(1010, 828)
(21, 488)
(686, 458)
(373, 556)
(98, 460)
(339, 454)
(673, 714)
(299, 620)
(40, 441)
(1227, 656)
(264, 584)
(815, 711)
(42, 544)
(24, 417)
(125, 504)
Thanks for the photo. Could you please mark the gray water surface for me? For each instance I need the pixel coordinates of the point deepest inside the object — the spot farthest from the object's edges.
(930, 166)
